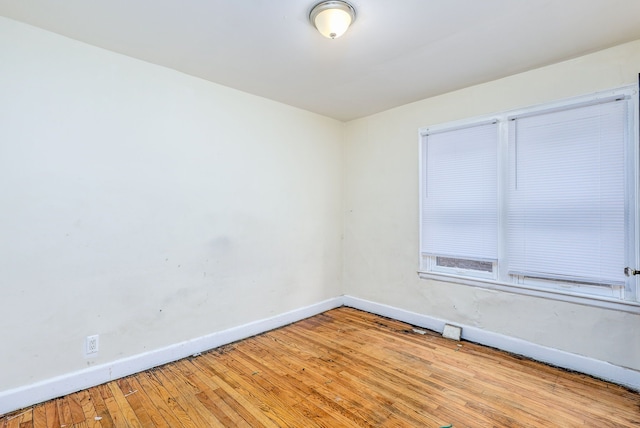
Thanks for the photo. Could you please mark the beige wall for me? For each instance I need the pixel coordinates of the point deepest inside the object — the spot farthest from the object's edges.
(381, 214)
(150, 207)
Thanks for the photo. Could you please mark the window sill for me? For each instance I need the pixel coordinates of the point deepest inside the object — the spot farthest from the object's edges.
(528, 290)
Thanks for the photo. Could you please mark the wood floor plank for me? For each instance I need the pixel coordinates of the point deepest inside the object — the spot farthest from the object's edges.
(356, 365)
(233, 380)
(14, 421)
(211, 401)
(184, 395)
(363, 365)
(130, 417)
(279, 397)
(142, 404)
(290, 392)
(344, 368)
(51, 412)
(27, 418)
(88, 409)
(176, 410)
(163, 404)
(250, 411)
(39, 416)
(118, 418)
(64, 412)
(210, 397)
(132, 396)
(322, 373)
(101, 408)
(75, 408)
(356, 408)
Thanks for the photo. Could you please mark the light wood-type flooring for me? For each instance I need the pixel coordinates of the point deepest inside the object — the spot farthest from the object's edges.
(344, 368)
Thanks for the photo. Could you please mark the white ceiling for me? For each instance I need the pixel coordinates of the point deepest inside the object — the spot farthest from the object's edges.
(397, 51)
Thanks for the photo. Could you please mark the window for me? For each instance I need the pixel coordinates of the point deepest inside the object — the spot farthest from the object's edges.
(541, 199)
(459, 203)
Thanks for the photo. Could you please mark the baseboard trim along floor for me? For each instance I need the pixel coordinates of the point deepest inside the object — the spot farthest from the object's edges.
(14, 399)
(17, 398)
(566, 360)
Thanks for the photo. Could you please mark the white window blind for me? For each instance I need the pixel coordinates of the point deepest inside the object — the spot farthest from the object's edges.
(459, 200)
(566, 202)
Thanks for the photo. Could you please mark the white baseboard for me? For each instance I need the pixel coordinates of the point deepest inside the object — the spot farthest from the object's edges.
(14, 399)
(17, 398)
(597, 368)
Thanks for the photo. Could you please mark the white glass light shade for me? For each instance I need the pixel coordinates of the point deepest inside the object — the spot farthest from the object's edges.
(332, 18)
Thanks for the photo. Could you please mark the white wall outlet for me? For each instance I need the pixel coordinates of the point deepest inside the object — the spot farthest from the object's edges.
(91, 344)
(451, 332)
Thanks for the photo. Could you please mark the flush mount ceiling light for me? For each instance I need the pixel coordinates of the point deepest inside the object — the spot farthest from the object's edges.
(332, 18)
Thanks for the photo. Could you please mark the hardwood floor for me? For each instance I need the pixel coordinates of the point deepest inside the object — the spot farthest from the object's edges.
(344, 368)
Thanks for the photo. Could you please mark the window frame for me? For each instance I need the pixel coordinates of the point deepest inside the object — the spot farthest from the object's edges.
(620, 298)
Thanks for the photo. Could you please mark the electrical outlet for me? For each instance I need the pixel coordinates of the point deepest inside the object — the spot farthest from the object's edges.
(91, 344)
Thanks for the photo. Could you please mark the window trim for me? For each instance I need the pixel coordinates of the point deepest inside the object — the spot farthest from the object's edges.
(560, 292)
(533, 291)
